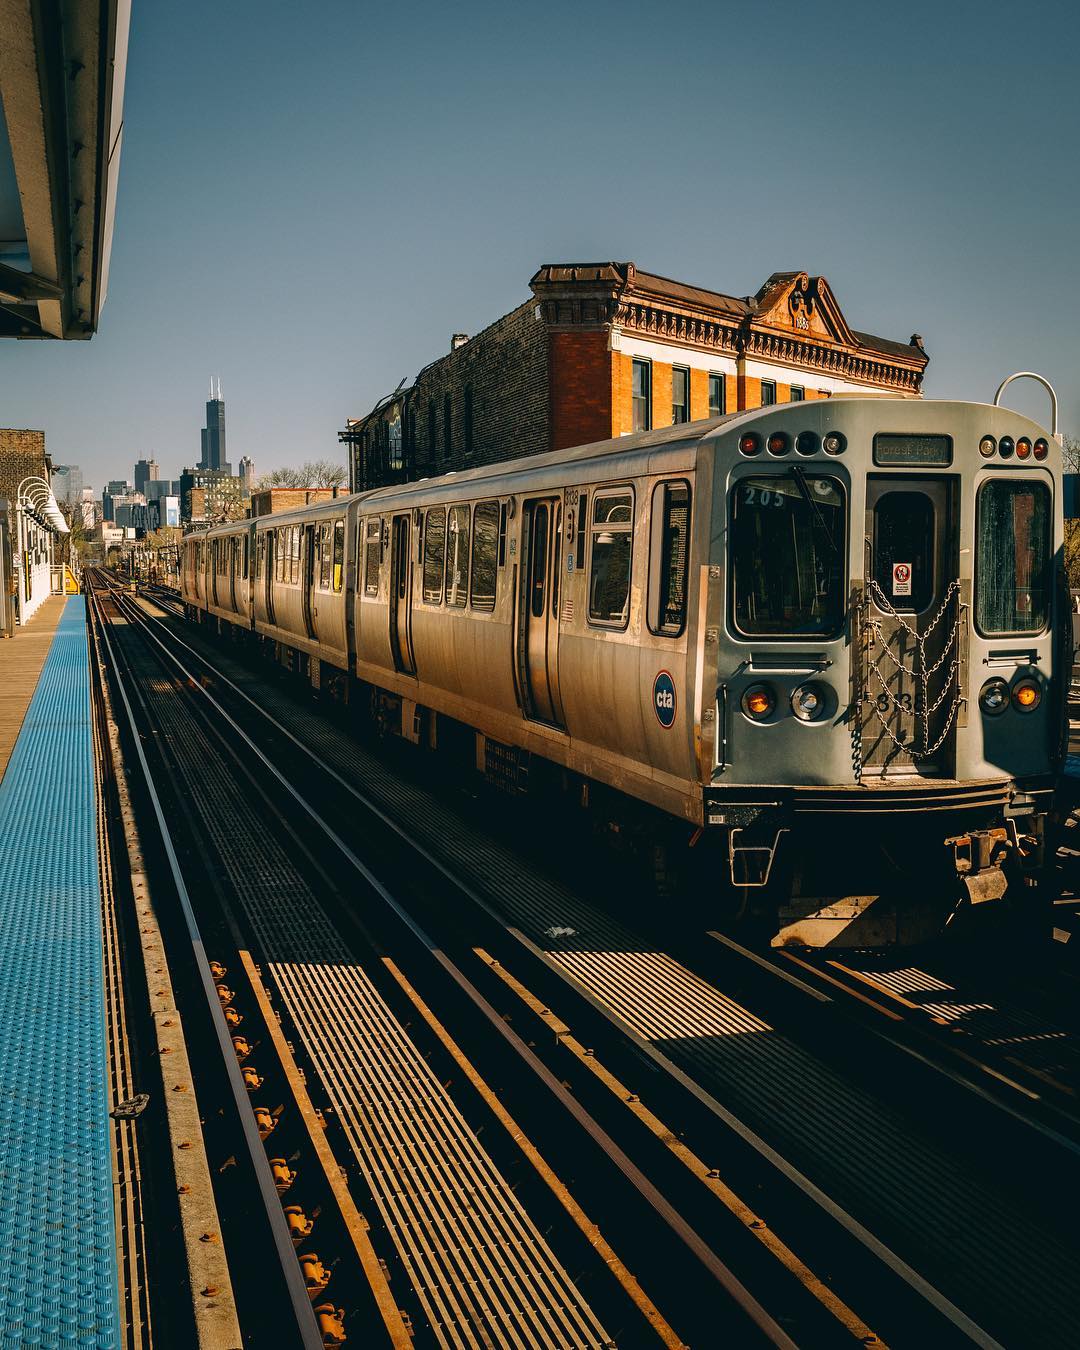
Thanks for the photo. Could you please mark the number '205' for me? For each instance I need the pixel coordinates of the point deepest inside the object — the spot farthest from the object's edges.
(763, 497)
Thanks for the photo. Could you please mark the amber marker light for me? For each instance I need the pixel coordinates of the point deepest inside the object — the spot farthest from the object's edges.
(758, 702)
(779, 443)
(1023, 448)
(1026, 695)
(1041, 449)
(750, 443)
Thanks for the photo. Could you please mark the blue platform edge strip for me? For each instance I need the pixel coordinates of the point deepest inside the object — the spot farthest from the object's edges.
(58, 1277)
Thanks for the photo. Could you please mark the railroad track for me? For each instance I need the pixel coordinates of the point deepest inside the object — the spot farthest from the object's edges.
(604, 977)
(480, 1274)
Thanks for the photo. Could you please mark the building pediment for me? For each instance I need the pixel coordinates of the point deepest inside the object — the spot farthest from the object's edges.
(795, 302)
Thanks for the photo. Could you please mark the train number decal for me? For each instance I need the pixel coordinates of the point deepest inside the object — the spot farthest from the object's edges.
(665, 701)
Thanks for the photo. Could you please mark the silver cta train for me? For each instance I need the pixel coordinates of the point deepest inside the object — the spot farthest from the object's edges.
(818, 652)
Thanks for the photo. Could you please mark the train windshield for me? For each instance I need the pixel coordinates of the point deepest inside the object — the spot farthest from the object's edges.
(1012, 565)
(788, 540)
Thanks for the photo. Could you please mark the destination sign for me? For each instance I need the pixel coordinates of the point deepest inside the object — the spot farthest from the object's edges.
(891, 449)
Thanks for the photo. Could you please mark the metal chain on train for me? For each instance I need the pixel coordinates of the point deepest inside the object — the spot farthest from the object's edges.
(920, 672)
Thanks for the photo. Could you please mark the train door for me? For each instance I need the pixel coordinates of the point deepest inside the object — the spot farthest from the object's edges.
(913, 638)
(538, 610)
(309, 579)
(401, 595)
(271, 537)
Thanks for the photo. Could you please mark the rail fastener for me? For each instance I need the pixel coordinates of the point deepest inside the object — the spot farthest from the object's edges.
(300, 1226)
(710, 1176)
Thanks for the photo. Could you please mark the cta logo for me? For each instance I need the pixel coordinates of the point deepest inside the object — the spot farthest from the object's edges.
(664, 699)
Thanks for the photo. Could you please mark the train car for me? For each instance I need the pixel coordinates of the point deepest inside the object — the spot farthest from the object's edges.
(300, 582)
(831, 639)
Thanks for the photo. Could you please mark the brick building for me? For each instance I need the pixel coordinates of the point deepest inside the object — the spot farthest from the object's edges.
(604, 349)
(31, 539)
(266, 501)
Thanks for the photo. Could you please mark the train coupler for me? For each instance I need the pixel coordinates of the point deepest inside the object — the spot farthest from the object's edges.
(980, 859)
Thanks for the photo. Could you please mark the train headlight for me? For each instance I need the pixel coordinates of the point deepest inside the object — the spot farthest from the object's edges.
(1041, 449)
(987, 446)
(750, 443)
(835, 443)
(758, 702)
(1006, 446)
(808, 702)
(1027, 695)
(994, 697)
(779, 443)
(806, 443)
(1023, 448)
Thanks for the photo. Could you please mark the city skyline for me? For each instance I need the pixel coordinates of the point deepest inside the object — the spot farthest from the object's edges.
(892, 159)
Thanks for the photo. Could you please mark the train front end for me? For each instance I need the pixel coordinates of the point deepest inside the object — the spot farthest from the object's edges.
(892, 639)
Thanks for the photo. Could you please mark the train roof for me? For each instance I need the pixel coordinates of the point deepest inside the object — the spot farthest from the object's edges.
(685, 435)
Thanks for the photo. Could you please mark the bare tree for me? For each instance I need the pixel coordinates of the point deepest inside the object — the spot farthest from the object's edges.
(319, 473)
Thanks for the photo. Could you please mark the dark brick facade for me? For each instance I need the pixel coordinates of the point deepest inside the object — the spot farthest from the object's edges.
(22, 453)
(484, 401)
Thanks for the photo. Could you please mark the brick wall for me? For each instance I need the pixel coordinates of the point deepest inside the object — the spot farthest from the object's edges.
(269, 500)
(22, 453)
(582, 381)
(504, 369)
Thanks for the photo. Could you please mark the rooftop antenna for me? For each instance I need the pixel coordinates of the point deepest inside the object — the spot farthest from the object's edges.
(219, 388)
(211, 386)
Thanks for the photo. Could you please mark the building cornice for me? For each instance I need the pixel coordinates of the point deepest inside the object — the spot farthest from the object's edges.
(606, 297)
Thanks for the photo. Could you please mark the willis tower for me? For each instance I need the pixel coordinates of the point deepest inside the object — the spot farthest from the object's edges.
(213, 434)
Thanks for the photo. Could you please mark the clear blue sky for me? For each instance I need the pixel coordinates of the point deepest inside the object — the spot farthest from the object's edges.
(312, 198)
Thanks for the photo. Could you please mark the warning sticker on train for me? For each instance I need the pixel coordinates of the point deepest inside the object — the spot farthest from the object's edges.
(664, 699)
(901, 578)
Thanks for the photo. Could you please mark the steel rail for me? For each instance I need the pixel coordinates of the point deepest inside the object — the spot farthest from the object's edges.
(299, 1301)
(953, 1075)
(648, 1191)
(921, 1286)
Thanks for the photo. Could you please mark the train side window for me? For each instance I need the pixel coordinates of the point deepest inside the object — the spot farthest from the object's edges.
(502, 533)
(279, 555)
(611, 546)
(485, 555)
(538, 558)
(339, 554)
(457, 558)
(247, 550)
(294, 556)
(434, 554)
(668, 552)
(1012, 557)
(325, 544)
(372, 554)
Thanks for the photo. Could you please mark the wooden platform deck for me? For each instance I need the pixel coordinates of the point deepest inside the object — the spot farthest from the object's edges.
(21, 660)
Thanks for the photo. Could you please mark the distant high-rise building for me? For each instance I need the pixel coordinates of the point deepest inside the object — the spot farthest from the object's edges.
(87, 509)
(119, 487)
(213, 434)
(208, 494)
(161, 487)
(145, 469)
(247, 474)
(67, 482)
